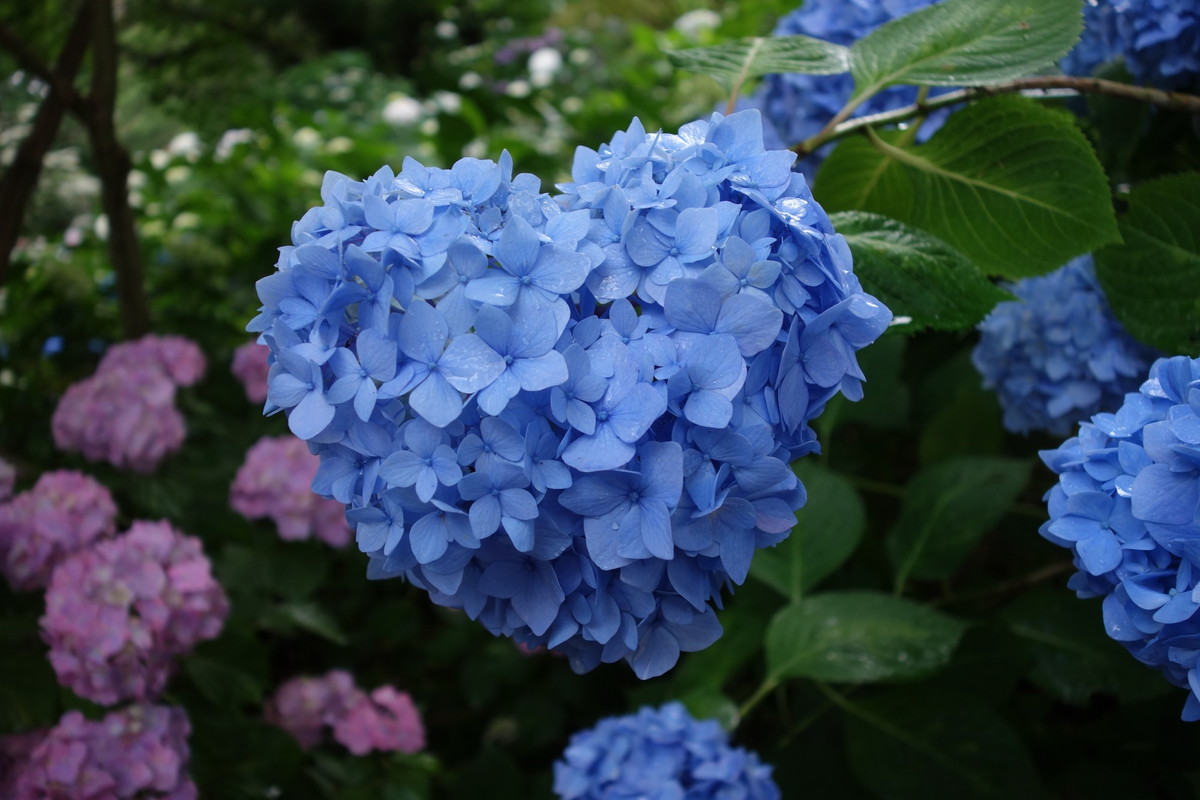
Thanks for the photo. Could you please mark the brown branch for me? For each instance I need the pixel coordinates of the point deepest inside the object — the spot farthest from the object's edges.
(1046, 86)
(113, 164)
(21, 177)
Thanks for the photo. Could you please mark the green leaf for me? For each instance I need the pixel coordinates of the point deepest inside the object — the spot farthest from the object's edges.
(828, 528)
(1073, 659)
(916, 274)
(966, 43)
(1011, 185)
(1152, 280)
(859, 637)
(947, 508)
(308, 616)
(735, 62)
(925, 742)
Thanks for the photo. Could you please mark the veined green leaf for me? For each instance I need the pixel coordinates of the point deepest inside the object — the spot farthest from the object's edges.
(1152, 280)
(735, 62)
(1013, 186)
(916, 274)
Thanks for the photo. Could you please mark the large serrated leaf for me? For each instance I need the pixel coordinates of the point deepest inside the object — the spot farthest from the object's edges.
(859, 637)
(966, 43)
(737, 61)
(916, 274)
(1013, 186)
(926, 742)
(827, 530)
(947, 508)
(1152, 280)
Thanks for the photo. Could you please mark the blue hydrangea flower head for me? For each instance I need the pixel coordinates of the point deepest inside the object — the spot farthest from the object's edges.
(797, 106)
(1127, 505)
(1159, 41)
(661, 752)
(1057, 354)
(571, 416)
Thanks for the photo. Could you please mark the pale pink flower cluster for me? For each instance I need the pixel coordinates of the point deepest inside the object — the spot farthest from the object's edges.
(275, 481)
(63, 513)
(384, 720)
(125, 413)
(119, 614)
(250, 367)
(137, 752)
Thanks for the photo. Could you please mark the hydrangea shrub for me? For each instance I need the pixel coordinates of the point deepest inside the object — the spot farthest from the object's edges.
(120, 613)
(125, 413)
(63, 513)
(661, 752)
(1127, 504)
(1057, 354)
(274, 481)
(385, 720)
(570, 416)
(137, 752)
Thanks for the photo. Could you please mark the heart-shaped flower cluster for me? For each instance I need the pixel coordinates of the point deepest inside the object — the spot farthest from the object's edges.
(1128, 505)
(571, 417)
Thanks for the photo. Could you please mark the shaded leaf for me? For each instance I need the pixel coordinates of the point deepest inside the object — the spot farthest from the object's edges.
(859, 637)
(828, 528)
(916, 274)
(734, 62)
(307, 616)
(1152, 279)
(966, 43)
(921, 743)
(947, 508)
(1011, 185)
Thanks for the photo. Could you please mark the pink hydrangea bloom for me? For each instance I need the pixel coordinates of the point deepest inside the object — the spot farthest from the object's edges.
(125, 413)
(250, 367)
(385, 720)
(275, 480)
(140, 751)
(305, 707)
(180, 359)
(120, 613)
(64, 512)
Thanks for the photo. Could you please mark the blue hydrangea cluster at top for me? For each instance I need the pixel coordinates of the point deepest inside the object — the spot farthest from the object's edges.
(1159, 40)
(1128, 505)
(1057, 354)
(570, 417)
(798, 106)
(660, 753)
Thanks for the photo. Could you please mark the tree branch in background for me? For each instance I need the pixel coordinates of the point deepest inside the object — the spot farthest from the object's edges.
(113, 164)
(1042, 86)
(21, 177)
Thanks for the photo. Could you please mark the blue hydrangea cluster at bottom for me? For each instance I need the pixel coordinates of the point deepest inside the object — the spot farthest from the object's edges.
(660, 753)
(1128, 505)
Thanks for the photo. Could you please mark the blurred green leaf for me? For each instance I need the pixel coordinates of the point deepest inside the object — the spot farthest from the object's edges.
(307, 616)
(1013, 186)
(916, 274)
(859, 637)
(223, 683)
(966, 43)
(1073, 658)
(1152, 279)
(928, 742)
(28, 692)
(947, 508)
(828, 528)
(886, 401)
(734, 62)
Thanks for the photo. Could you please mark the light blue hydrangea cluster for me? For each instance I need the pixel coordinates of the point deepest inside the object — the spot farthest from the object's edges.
(1158, 39)
(798, 106)
(570, 417)
(1057, 354)
(1128, 505)
(661, 753)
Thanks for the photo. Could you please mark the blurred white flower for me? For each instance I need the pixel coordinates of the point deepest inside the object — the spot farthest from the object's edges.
(401, 110)
(543, 63)
(178, 174)
(449, 102)
(159, 159)
(100, 227)
(693, 23)
(446, 29)
(339, 144)
(470, 80)
(231, 139)
(185, 145)
(306, 138)
(518, 89)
